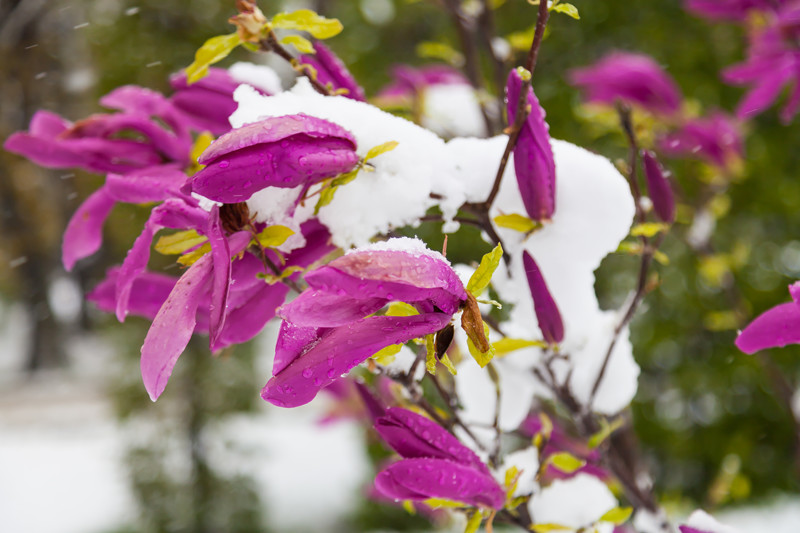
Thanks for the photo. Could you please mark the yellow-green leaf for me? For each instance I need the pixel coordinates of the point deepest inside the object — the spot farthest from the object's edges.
(301, 43)
(448, 364)
(567, 9)
(179, 242)
(202, 142)
(213, 50)
(307, 20)
(443, 51)
(511, 476)
(191, 258)
(516, 222)
(566, 462)
(521, 40)
(617, 515)
(436, 503)
(506, 345)
(482, 358)
(272, 279)
(483, 275)
(473, 522)
(387, 355)
(430, 355)
(325, 197)
(408, 505)
(648, 229)
(375, 151)
(401, 309)
(273, 236)
(546, 528)
(661, 257)
(344, 179)
(605, 431)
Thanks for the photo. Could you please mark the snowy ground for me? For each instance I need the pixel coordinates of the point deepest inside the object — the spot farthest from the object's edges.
(60, 451)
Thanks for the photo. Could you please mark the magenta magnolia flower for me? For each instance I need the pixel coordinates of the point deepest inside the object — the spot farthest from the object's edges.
(331, 70)
(776, 327)
(207, 103)
(276, 152)
(716, 139)
(687, 529)
(327, 330)
(409, 82)
(98, 143)
(546, 309)
(773, 62)
(435, 464)
(533, 155)
(632, 78)
(658, 188)
(735, 10)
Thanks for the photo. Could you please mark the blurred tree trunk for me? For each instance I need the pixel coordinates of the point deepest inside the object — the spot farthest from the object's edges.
(42, 56)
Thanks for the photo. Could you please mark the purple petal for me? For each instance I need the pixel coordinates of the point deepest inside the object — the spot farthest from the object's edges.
(274, 130)
(221, 259)
(173, 213)
(414, 436)
(373, 404)
(315, 308)
(633, 78)
(48, 125)
(339, 350)
(658, 188)
(248, 318)
(687, 529)
(84, 233)
(533, 156)
(421, 479)
(393, 275)
(236, 176)
(330, 69)
(293, 341)
(776, 327)
(152, 184)
(763, 94)
(173, 327)
(150, 291)
(546, 309)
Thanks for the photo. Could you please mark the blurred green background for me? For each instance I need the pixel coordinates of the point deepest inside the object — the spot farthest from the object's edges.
(715, 425)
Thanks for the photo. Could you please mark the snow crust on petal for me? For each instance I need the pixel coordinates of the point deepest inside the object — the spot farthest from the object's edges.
(556, 504)
(411, 245)
(396, 194)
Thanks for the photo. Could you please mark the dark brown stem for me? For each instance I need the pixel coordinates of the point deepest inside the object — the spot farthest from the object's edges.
(270, 44)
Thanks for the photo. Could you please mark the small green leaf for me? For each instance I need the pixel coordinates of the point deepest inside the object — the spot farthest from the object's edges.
(213, 50)
(511, 476)
(401, 309)
(344, 179)
(430, 355)
(202, 142)
(408, 505)
(387, 355)
(482, 358)
(375, 151)
(272, 279)
(179, 242)
(307, 20)
(661, 257)
(517, 222)
(483, 275)
(649, 229)
(617, 515)
(605, 431)
(521, 40)
(325, 197)
(506, 345)
(443, 51)
(547, 528)
(567, 9)
(437, 503)
(566, 462)
(301, 43)
(273, 236)
(191, 258)
(473, 522)
(448, 364)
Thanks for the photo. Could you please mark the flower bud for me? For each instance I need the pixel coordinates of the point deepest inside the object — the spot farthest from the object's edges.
(546, 309)
(658, 188)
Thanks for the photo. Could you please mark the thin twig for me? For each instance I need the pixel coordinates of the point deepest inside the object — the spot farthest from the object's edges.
(270, 44)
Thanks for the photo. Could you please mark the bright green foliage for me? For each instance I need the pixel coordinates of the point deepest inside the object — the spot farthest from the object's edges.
(307, 20)
(375, 151)
(179, 242)
(617, 515)
(301, 43)
(482, 358)
(649, 229)
(566, 462)
(273, 236)
(213, 51)
(517, 222)
(481, 278)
